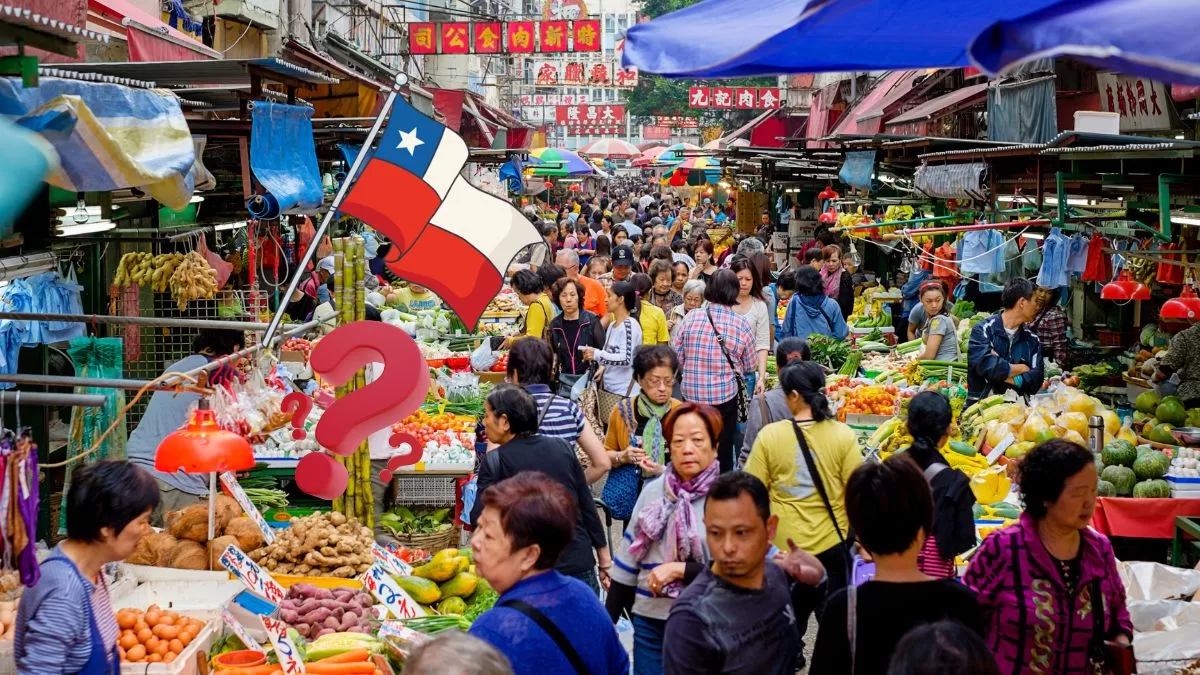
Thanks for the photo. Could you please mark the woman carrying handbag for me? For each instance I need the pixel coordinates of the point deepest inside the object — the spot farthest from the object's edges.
(614, 381)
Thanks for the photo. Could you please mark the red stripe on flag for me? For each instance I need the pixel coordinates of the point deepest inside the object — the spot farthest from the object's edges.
(453, 269)
(393, 201)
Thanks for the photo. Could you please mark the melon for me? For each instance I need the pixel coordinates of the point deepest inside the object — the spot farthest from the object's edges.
(1105, 489)
(1162, 434)
(1146, 402)
(1119, 453)
(1152, 489)
(1099, 463)
(1150, 465)
(1171, 410)
(1077, 422)
(1112, 423)
(1122, 479)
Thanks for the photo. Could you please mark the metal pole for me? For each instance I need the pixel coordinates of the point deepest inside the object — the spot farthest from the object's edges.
(41, 398)
(109, 319)
(68, 381)
(243, 353)
(302, 264)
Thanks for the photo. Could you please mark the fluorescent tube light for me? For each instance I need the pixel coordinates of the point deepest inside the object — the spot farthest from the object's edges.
(229, 226)
(85, 228)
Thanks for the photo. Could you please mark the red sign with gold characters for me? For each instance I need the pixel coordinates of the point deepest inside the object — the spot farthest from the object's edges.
(509, 37)
(486, 37)
(422, 38)
(454, 38)
(590, 115)
(744, 98)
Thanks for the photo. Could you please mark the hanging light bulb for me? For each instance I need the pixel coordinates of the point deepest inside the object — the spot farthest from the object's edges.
(1184, 308)
(81, 213)
(855, 259)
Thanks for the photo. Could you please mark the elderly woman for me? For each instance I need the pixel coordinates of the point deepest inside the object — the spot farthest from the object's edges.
(664, 296)
(65, 623)
(511, 422)
(693, 298)
(1048, 587)
(544, 621)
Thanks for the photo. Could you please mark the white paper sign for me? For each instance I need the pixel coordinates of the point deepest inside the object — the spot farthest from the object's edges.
(384, 588)
(239, 495)
(1000, 448)
(285, 650)
(239, 630)
(390, 561)
(255, 578)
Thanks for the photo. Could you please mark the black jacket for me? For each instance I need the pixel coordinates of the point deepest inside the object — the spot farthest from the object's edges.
(567, 358)
(990, 356)
(557, 460)
(845, 298)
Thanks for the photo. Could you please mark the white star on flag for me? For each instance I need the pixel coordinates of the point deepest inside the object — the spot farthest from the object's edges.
(409, 141)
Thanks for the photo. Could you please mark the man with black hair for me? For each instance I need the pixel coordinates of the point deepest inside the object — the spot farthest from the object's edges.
(736, 617)
(1003, 353)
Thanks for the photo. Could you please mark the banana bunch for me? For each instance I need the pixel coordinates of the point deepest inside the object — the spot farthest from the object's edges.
(134, 269)
(193, 279)
(1143, 270)
(237, 261)
(164, 267)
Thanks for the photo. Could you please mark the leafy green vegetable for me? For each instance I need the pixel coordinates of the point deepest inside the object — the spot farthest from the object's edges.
(827, 351)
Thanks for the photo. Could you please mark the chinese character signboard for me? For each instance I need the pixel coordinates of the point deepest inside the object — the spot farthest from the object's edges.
(1141, 102)
(545, 74)
(656, 133)
(564, 9)
(625, 78)
(730, 97)
(600, 74)
(590, 115)
(511, 37)
(676, 122)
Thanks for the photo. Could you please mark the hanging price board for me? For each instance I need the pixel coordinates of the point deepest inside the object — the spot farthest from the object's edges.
(285, 650)
(399, 603)
(229, 481)
(390, 561)
(249, 573)
(239, 630)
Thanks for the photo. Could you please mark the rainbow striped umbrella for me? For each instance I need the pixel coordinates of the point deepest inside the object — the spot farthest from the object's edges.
(649, 156)
(558, 162)
(718, 145)
(699, 170)
(611, 148)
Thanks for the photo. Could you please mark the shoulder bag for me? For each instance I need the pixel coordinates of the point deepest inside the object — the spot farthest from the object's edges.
(624, 482)
(820, 485)
(564, 645)
(1106, 657)
(743, 396)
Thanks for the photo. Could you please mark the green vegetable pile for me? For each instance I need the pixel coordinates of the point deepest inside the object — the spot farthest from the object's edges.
(263, 492)
(829, 352)
(963, 309)
(404, 521)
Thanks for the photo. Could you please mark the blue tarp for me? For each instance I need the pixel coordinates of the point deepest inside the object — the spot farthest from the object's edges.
(1023, 112)
(858, 169)
(1152, 38)
(284, 158)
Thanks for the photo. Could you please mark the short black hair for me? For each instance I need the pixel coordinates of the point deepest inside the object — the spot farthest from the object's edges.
(1043, 473)
(723, 288)
(527, 282)
(791, 349)
(1016, 290)
(221, 342)
(517, 405)
(808, 281)
(550, 273)
(812, 255)
(807, 379)
(734, 484)
(649, 357)
(786, 281)
(942, 647)
(109, 493)
(888, 504)
(561, 285)
(531, 360)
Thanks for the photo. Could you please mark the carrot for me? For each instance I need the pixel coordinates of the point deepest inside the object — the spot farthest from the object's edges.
(268, 669)
(352, 656)
(322, 668)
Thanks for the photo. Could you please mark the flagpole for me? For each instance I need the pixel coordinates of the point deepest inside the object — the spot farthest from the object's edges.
(302, 264)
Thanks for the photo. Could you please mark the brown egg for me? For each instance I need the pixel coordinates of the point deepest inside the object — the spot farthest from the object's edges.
(171, 656)
(135, 653)
(186, 637)
(154, 658)
(165, 631)
(152, 645)
(168, 618)
(128, 641)
(126, 619)
(141, 624)
(175, 646)
(161, 648)
(153, 617)
(144, 635)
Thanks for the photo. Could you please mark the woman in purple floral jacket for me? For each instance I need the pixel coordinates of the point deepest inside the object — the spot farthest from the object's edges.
(1036, 580)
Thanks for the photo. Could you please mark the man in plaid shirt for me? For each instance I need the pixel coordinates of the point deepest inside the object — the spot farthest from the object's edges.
(708, 375)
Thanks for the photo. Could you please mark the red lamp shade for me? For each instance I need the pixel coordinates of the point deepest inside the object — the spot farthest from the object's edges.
(1125, 288)
(828, 193)
(548, 184)
(203, 447)
(1184, 308)
(829, 216)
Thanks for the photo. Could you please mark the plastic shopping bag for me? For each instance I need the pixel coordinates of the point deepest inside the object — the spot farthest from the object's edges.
(483, 358)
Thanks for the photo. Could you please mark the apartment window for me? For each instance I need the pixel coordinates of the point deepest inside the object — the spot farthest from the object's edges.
(610, 53)
(609, 24)
(622, 22)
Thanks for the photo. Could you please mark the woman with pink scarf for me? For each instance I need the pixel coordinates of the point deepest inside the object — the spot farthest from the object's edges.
(838, 283)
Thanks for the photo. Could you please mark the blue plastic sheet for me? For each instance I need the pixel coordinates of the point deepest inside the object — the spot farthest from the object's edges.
(284, 158)
(857, 169)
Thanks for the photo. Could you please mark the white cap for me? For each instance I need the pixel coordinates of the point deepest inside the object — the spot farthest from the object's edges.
(326, 264)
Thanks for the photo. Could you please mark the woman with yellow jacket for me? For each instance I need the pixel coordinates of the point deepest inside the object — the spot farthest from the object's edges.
(532, 292)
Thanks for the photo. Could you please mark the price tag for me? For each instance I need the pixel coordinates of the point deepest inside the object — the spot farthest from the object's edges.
(384, 588)
(285, 650)
(250, 574)
(239, 630)
(391, 561)
(239, 495)
(1000, 448)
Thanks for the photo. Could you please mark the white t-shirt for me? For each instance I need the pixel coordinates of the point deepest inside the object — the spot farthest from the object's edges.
(760, 319)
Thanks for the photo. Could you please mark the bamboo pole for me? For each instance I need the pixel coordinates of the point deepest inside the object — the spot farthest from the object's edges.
(366, 502)
(339, 262)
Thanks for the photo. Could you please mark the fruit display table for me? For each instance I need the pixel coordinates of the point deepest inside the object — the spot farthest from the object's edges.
(1146, 518)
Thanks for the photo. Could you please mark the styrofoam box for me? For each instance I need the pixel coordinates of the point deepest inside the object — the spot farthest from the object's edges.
(1183, 487)
(1096, 122)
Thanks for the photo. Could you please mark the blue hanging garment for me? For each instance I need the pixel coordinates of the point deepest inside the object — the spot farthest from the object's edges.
(1055, 252)
(1077, 260)
(1031, 258)
(982, 252)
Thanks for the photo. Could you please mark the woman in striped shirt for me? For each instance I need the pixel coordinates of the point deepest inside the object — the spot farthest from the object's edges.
(953, 520)
(65, 623)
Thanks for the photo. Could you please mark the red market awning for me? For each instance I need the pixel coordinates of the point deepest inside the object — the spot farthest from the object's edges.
(148, 38)
(818, 119)
(477, 122)
(866, 117)
(917, 120)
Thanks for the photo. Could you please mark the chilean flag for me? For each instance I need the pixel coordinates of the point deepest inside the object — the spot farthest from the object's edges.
(453, 238)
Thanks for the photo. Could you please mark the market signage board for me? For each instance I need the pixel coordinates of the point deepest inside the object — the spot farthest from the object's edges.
(249, 573)
(504, 37)
(677, 121)
(398, 603)
(742, 98)
(285, 650)
(1140, 102)
(229, 481)
(589, 115)
(553, 99)
(390, 561)
(573, 73)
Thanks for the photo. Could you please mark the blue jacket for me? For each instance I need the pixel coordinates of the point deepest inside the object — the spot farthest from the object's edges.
(817, 314)
(990, 356)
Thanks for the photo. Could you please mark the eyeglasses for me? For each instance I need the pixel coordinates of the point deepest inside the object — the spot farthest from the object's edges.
(659, 382)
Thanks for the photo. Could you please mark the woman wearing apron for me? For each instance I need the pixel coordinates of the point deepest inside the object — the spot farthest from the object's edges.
(65, 623)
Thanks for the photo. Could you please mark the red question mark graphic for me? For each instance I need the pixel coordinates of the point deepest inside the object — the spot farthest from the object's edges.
(299, 404)
(394, 395)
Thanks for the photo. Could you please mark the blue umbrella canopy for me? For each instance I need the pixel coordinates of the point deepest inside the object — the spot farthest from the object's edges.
(762, 37)
(1151, 38)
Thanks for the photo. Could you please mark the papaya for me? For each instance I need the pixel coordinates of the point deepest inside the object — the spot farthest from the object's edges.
(446, 554)
(439, 569)
(466, 552)
(422, 590)
(462, 585)
(464, 563)
(452, 605)
(963, 448)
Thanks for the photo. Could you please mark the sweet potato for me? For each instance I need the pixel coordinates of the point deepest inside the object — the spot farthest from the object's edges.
(188, 555)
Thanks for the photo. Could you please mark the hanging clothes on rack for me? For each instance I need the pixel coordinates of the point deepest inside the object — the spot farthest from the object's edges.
(22, 504)
(1012, 262)
(1171, 275)
(1077, 258)
(1055, 252)
(1031, 258)
(52, 294)
(1099, 263)
(944, 259)
(981, 252)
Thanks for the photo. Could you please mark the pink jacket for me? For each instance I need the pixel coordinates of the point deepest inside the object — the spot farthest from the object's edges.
(1032, 624)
